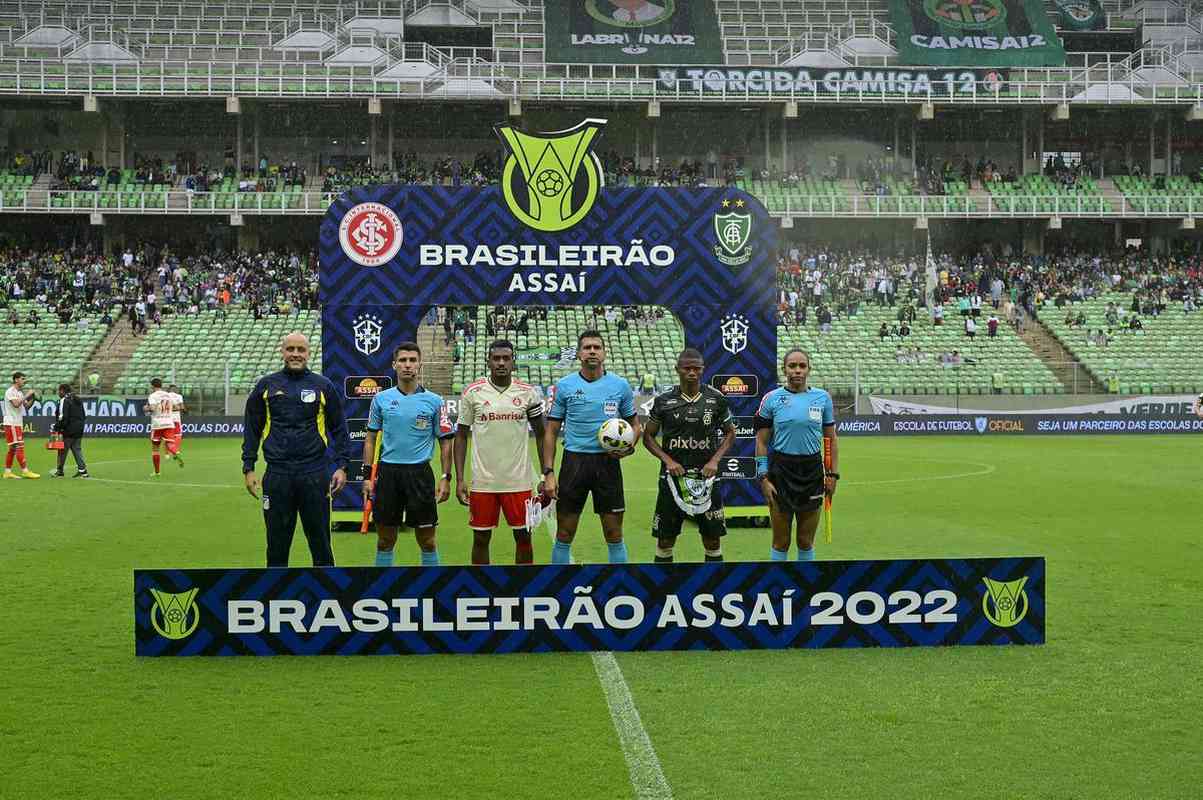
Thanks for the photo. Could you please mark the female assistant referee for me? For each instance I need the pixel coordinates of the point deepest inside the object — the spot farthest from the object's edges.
(791, 424)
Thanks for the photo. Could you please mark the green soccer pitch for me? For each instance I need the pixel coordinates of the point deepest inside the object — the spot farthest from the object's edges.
(1109, 707)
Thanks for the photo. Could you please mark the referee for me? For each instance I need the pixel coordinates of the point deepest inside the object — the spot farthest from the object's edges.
(408, 420)
(297, 416)
(792, 422)
(583, 401)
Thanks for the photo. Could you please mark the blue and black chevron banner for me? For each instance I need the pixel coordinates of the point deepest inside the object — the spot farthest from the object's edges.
(530, 609)
(390, 253)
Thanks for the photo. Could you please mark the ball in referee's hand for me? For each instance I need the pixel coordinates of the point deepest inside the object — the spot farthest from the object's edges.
(616, 435)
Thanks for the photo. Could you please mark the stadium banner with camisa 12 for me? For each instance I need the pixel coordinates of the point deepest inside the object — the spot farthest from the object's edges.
(551, 234)
(610, 607)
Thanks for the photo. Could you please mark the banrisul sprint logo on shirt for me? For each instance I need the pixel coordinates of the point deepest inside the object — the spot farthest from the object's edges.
(550, 181)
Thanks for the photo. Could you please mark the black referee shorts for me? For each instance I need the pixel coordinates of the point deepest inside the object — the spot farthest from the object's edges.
(798, 481)
(405, 495)
(582, 473)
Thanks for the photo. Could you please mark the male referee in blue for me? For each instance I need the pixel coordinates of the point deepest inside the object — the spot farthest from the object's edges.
(410, 419)
(297, 416)
(583, 401)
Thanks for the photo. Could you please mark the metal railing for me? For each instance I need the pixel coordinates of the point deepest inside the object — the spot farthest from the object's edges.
(301, 79)
(171, 202)
(889, 206)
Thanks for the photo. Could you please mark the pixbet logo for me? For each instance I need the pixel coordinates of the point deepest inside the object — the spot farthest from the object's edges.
(370, 234)
(688, 443)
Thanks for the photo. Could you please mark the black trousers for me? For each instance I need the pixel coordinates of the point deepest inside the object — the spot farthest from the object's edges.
(285, 496)
(75, 445)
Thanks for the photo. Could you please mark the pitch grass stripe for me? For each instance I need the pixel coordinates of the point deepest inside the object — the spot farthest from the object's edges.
(646, 775)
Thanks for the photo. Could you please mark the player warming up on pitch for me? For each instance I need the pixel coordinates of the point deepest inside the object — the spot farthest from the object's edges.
(410, 419)
(583, 401)
(790, 426)
(688, 418)
(161, 405)
(178, 407)
(16, 400)
(498, 413)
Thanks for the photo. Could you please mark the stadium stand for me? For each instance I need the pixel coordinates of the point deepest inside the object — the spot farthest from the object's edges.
(49, 352)
(195, 350)
(930, 360)
(1165, 355)
(639, 341)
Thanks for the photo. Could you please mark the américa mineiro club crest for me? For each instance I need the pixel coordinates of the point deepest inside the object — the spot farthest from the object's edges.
(733, 231)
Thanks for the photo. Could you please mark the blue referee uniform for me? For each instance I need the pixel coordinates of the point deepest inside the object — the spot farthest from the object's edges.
(297, 417)
(582, 406)
(409, 425)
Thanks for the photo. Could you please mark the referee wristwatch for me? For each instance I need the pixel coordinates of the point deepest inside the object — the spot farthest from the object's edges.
(835, 475)
(446, 476)
(548, 470)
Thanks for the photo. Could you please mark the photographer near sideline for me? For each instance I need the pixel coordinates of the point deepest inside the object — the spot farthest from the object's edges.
(70, 424)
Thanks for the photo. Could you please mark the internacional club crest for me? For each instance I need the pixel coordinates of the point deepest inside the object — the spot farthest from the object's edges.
(174, 616)
(371, 234)
(1005, 603)
(550, 181)
(733, 231)
(367, 329)
(735, 333)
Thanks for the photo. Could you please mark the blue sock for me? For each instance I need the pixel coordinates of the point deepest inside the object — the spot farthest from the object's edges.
(778, 555)
(430, 559)
(561, 552)
(618, 552)
(384, 558)
(806, 555)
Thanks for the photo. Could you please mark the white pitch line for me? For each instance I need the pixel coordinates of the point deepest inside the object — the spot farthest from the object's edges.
(647, 777)
(153, 482)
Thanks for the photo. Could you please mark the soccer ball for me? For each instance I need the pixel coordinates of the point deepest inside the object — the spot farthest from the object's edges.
(615, 435)
(549, 183)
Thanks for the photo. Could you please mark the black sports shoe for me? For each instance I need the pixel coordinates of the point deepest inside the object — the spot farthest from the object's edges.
(54, 473)
(81, 474)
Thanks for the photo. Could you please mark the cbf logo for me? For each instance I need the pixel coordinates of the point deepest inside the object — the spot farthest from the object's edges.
(370, 234)
(174, 616)
(980, 423)
(367, 330)
(1005, 603)
(733, 231)
(550, 181)
(735, 333)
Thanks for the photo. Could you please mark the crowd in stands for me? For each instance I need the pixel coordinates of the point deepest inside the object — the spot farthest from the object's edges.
(84, 286)
(815, 284)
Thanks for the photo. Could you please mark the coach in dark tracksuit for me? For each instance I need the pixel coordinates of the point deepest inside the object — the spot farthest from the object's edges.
(297, 415)
(70, 424)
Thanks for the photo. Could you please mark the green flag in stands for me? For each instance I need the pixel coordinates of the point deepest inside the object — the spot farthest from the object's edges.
(976, 33)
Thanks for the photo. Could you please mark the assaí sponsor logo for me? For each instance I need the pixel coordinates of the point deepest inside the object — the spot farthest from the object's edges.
(688, 443)
(357, 387)
(736, 385)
